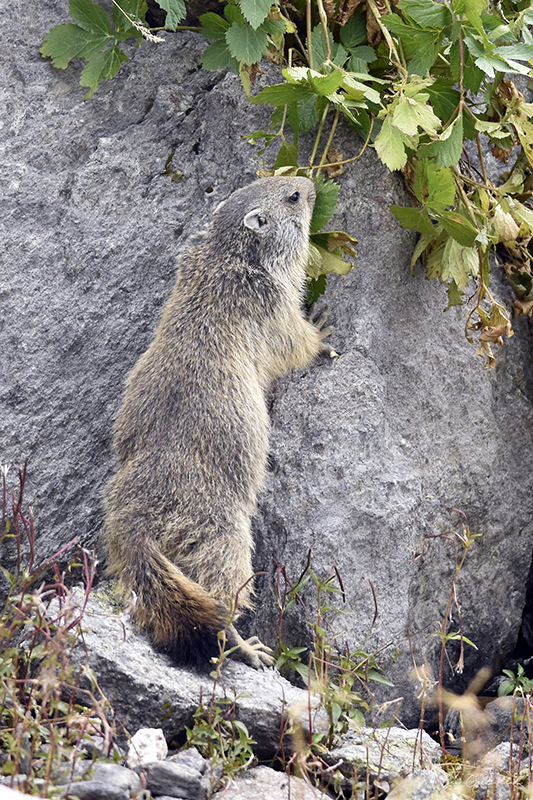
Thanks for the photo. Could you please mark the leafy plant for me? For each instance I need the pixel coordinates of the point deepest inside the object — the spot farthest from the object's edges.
(422, 81)
(220, 737)
(518, 682)
(47, 718)
(338, 674)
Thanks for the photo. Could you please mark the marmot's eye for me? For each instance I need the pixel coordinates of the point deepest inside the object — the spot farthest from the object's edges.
(294, 197)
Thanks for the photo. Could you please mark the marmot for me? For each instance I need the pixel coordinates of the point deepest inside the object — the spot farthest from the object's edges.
(192, 433)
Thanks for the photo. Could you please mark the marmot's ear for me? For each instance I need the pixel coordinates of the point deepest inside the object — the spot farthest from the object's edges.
(255, 220)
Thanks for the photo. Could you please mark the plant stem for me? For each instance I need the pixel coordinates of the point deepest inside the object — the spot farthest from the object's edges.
(318, 136)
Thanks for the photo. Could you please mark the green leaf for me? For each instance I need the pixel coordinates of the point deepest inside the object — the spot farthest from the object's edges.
(416, 219)
(90, 16)
(326, 200)
(282, 93)
(354, 32)
(234, 14)
(102, 67)
(390, 145)
(65, 42)
(255, 11)
(459, 263)
(213, 26)
(376, 676)
(339, 55)
(412, 112)
(427, 13)
(287, 156)
(448, 148)
(245, 44)
(421, 246)
(434, 185)
(136, 9)
(472, 10)
(176, 11)
(328, 84)
(425, 56)
(307, 114)
(274, 27)
(457, 226)
(455, 298)
(322, 262)
(217, 56)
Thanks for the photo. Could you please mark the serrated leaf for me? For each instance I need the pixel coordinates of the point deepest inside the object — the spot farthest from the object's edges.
(326, 200)
(65, 42)
(354, 32)
(434, 185)
(213, 26)
(459, 263)
(135, 9)
(448, 148)
(458, 227)
(332, 240)
(339, 55)
(274, 27)
(287, 156)
(328, 84)
(455, 298)
(472, 10)
(102, 67)
(390, 145)
(255, 11)
(217, 56)
(416, 219)
(234, 14)
(90, 16)
(427, 13)
(282, 94)
(245, 44)
(324, 262)
(176, 11)
(413, 112)
(425, 56)
(307, 114)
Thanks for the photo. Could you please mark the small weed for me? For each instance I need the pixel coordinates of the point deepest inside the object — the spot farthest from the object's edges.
(47, 719)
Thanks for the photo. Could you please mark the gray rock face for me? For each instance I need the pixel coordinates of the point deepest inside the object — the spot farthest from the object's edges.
(148, 691)
(370, 452)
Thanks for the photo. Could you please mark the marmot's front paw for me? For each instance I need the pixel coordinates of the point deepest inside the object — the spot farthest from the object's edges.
(322, 332)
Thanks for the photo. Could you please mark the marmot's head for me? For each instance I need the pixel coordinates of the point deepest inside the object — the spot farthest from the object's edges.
(266, 223)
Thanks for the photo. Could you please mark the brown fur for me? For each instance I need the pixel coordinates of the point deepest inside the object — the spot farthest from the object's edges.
(192, 434)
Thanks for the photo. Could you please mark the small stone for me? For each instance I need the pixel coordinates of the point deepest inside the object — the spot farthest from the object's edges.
(191, 758)
(264, 783)
(146, 746)
(119, 776)
(421, 785)
(174, 780)
(96, 790)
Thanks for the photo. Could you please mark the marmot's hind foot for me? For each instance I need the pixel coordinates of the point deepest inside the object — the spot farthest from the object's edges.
(253, 651)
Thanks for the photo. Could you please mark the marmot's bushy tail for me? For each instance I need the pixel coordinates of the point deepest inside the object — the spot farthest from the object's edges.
(182, 619)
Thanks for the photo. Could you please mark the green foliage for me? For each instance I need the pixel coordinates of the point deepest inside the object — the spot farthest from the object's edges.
(418, 82)
(44, 728)
(95, 39)
(340, 676)
(515, 684)
(220, 737)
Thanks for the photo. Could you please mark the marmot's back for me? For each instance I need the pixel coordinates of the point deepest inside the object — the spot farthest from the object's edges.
(192, 434)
